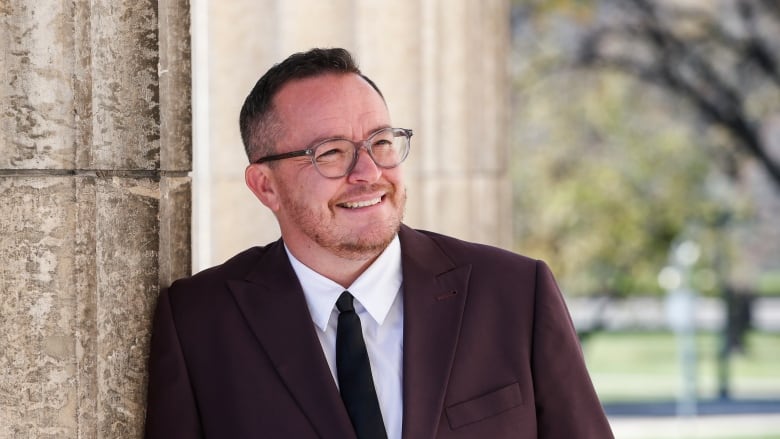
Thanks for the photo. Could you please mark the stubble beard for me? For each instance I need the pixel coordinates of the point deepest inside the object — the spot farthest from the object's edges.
(341, 240)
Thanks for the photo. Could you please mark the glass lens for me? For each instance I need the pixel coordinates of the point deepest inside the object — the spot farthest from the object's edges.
(388, 147)
(334, 157)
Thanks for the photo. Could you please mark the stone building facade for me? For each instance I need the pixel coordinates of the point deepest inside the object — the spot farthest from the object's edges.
(94, 206)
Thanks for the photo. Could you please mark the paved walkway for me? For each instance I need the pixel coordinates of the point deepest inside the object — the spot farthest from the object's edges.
(650, 312)
(702, 427)
(716, 419)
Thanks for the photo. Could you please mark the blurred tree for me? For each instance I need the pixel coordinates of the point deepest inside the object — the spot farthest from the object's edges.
(723, 57)
(677, 150)
(589, 190)
(609, 173)
(605, 180)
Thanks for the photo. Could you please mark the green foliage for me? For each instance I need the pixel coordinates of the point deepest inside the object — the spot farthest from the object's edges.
(769, 283)
(605, 179)
(572, 7)
(609, 172)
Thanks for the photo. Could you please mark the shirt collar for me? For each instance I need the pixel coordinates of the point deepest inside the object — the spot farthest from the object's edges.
(375, 289)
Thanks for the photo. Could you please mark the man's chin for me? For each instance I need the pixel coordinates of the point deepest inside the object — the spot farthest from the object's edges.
(366, 246)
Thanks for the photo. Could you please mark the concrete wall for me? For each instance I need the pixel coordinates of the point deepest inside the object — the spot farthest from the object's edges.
(442, 65)
(94, 206)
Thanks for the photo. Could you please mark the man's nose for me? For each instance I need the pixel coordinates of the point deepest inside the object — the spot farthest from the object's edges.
(365, 169)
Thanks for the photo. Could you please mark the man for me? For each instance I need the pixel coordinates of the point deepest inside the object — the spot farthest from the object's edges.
(352, 324)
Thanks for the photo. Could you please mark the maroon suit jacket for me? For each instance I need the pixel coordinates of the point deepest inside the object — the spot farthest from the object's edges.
(489, 352)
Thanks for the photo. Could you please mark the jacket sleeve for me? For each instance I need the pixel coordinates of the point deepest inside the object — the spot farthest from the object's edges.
(566, 403)
(171, 411)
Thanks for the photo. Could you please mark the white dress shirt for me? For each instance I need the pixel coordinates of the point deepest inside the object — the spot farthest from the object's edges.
(379, 304)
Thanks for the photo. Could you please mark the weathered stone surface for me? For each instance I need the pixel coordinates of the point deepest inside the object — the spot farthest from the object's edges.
(38, 321)
(127, 255)
(94, 207)
(124, 85)
(175, 259)
(79, 284)
(175, 85)
(82, 78)
(38, 120)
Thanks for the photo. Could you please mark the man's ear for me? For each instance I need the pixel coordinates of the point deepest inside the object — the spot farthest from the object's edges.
(260, 181)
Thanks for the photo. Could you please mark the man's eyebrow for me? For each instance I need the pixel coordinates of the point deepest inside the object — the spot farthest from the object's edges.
(324, 138)
(379, 127)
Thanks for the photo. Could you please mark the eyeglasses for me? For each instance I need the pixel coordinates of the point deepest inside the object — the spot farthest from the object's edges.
(335, 158)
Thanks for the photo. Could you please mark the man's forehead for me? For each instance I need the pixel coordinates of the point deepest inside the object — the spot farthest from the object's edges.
(330, 105)
(315, 89)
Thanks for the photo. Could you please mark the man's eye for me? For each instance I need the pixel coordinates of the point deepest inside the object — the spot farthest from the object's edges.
(331, 152)
(382, 144)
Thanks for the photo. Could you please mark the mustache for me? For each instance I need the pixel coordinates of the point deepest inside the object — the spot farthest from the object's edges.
(356, 191)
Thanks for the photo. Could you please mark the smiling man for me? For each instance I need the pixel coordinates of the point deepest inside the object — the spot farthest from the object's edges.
(353, 325)
(338, 206)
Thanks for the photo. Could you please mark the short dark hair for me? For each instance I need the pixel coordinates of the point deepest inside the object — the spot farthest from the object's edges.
(259, 126)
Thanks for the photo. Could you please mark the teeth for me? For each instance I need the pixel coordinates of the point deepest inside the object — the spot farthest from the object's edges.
(357, 204)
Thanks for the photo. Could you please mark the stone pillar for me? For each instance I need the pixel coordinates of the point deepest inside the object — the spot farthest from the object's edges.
(442, 65)
(94, 206)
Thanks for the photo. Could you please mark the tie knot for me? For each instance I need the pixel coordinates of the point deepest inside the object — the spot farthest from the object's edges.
(345, 302)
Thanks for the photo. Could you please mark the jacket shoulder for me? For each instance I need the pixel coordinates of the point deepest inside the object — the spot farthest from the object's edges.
(237, 267)
(461, 251)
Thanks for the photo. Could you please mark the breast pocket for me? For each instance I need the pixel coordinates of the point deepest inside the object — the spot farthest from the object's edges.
(485, 406)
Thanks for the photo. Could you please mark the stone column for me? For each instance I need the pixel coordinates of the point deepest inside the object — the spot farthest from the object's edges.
(442, 64)
(94, 206)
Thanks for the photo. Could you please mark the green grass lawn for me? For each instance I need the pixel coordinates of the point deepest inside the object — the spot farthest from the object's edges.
(644, 366)
(638, 366)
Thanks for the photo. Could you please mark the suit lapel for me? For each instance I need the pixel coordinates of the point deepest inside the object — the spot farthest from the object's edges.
(274, 306)
(435, 292)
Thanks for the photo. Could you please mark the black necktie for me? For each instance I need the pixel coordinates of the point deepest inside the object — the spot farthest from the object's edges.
(354, 372)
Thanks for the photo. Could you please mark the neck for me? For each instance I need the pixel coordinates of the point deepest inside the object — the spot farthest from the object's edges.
(343, 269)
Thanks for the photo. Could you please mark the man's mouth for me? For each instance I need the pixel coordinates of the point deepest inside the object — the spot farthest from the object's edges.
(359, 204)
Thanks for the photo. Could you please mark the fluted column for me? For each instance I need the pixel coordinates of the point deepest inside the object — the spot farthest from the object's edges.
(94, 206)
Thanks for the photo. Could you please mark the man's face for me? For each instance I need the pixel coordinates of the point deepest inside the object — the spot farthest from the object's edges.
(355, 216)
